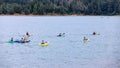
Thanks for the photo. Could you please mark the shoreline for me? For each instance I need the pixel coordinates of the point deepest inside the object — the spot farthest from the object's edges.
(53, 15)
(42, 15)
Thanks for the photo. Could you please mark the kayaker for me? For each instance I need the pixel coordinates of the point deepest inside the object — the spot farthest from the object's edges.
(85, 38)
(60, 34)
(43, 42)
(27, 34)
(94, 33)
(22, 40)
(11, 39)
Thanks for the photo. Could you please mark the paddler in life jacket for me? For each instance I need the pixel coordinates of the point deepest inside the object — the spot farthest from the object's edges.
(85, 39)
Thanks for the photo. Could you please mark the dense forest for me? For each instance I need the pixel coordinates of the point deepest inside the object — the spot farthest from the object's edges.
(61, 7)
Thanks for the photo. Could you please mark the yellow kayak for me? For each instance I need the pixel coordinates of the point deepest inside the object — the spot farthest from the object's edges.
(85, 40)
(45, 44)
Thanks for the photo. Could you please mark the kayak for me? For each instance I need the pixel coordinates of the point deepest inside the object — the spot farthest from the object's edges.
(18, 41)
(85, 40)
(60, 36)
(9, 41)
(45, 44)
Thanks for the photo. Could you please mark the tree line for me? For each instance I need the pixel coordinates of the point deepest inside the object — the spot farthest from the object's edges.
(42, 7)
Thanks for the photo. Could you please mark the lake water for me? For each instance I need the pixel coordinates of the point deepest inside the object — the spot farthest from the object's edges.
(101, 51)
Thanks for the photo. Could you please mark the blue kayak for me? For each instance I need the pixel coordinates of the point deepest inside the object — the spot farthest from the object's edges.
(18, 41)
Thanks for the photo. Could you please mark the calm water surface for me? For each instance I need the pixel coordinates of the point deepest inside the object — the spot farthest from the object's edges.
(101, 51)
